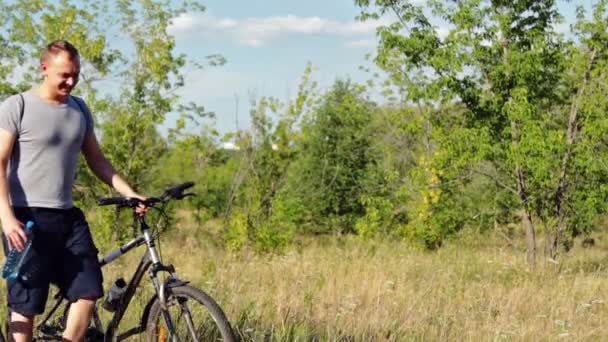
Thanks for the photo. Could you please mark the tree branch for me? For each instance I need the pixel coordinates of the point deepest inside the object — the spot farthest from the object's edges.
(499, 183)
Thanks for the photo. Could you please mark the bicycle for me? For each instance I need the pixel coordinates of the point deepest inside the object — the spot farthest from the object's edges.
(173, 301)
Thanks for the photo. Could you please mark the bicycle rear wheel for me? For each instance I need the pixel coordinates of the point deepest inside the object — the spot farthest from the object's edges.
(195, 316)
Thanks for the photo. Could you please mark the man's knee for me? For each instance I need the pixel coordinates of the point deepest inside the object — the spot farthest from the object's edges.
(82, 309)
(17, 317)
(78, 319)
(20, 327)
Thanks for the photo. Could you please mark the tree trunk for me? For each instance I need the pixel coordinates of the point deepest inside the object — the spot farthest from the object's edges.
(530, 238)
(552, 239)
(557, 238)
(526, 219)
(526, 216)
(560, 192)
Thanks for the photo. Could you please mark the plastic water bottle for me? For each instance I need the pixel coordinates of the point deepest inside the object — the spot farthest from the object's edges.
(15, 259)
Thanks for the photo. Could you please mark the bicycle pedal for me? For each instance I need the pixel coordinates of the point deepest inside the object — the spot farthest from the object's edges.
(48, 332)
(93, 335)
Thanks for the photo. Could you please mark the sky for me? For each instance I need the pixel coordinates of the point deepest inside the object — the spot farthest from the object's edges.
(267, 45)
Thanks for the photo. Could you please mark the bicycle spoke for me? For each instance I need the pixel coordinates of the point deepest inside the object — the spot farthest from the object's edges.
(186, 310)
(195, 324)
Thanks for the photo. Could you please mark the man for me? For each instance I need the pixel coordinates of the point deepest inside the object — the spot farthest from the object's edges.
(41, 134)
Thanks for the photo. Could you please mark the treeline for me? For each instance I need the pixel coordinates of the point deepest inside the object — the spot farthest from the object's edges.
(497, 120)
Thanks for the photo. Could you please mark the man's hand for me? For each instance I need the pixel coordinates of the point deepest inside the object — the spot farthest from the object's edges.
(14, 232)
(141, 208)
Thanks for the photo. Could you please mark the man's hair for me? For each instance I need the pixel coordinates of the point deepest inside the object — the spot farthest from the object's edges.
(58, 46)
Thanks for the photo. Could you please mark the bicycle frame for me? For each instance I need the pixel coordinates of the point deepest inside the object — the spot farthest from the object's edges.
(151, 263)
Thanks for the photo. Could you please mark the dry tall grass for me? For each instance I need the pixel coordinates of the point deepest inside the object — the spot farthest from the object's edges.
(342, 288)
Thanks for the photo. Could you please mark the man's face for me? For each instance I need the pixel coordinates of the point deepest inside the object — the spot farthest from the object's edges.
(61, 73)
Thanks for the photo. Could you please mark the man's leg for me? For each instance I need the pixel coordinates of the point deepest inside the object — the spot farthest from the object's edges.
(20, 327)
(81, 278)
(78, 320)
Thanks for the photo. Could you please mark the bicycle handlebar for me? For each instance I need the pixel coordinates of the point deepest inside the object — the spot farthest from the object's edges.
(176, 192)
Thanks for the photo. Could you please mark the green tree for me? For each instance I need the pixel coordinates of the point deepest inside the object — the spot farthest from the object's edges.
(259, 212)
(336, 165)
(519, 83)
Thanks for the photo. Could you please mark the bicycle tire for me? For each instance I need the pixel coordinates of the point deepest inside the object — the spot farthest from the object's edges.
(215, 325)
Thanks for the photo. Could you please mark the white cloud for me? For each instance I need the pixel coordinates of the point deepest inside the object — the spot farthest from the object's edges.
(250, 41)
(259, 31)
(358, 27)
(227, 23)
(182, 23)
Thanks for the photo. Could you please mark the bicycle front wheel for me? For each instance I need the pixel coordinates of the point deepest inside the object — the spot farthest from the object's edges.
(194, 314)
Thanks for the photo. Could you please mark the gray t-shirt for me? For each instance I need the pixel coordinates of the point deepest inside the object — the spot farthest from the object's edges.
(43, 162)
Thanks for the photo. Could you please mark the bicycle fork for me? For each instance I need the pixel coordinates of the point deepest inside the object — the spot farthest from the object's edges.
(160, 290)
(157, 266)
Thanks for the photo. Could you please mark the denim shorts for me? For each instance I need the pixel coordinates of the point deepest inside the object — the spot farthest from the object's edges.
(63, 254)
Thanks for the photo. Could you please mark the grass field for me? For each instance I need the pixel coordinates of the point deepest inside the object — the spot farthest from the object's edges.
(345, 289)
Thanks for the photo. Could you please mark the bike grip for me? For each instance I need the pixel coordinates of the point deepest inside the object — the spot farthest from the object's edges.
(110, 201)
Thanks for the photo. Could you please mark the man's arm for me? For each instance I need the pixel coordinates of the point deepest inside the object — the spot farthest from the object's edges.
(103, 169)
(13, 229)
